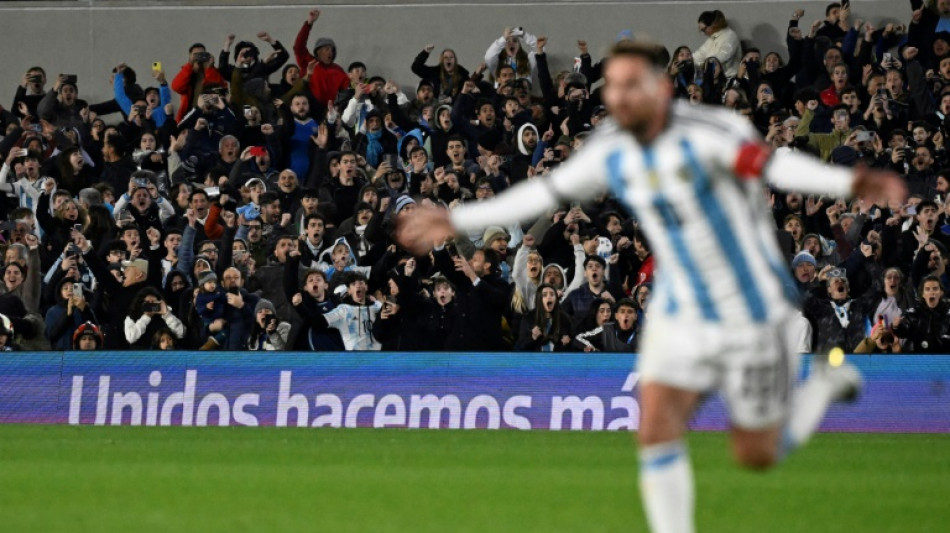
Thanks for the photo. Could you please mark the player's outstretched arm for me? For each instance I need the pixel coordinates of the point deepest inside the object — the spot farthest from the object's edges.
(576, 180)
(806, 174)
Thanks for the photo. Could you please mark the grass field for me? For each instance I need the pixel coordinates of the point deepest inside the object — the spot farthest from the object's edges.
(265, 479)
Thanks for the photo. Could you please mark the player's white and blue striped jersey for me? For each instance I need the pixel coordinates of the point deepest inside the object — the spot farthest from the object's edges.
(710, 231)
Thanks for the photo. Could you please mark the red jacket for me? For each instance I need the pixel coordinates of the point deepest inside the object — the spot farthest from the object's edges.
(184, 85)
(327, 80)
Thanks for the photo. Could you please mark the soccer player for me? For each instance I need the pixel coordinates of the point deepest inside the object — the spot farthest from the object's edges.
(722, 300)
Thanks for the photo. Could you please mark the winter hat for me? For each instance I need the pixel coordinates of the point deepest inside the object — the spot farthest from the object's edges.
(325, 41)
(265, 304)
(803, 257)
(206, 276)
(401, 202)
(844, 156)
(492, 233)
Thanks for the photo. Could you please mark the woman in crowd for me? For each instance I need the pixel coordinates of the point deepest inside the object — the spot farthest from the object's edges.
(547, 328)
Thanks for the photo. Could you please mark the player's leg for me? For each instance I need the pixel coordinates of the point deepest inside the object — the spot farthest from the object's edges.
(760, 369)
(757, 449)
(827, 383)
(666, 477)
(674, 370)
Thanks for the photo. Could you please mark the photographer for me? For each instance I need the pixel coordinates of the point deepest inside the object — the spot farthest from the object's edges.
(148, 313)
(268, 333)
(70, 312)
(198, 72)
(881, 340)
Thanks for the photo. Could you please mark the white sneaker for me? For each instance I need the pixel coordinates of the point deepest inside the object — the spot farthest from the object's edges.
(845, 381)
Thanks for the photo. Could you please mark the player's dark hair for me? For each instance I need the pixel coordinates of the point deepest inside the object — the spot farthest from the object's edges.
(652, 52)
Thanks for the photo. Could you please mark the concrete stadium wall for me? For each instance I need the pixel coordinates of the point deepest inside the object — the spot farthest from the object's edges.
(88, 37)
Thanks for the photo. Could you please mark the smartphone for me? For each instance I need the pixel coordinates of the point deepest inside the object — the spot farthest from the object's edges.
(203, 57)
(36, 78)
(77, 290)
(77, 227)
(390, 160)
(452, 250)
(212, 191)
(22, 152)
(257, 151)
(70, 78)
(151, 307)
(864, 136)
(247, 111)
(886, 58)
(157, 66)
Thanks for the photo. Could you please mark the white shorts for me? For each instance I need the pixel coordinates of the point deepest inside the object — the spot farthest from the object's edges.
(753, 366)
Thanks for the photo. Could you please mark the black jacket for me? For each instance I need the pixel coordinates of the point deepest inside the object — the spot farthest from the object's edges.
(477, 325)
(926, 330)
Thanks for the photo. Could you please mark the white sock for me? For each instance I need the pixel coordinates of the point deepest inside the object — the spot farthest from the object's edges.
(666, 486)
(808, 409)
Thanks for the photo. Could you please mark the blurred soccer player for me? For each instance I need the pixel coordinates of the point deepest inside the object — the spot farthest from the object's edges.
(723, 298)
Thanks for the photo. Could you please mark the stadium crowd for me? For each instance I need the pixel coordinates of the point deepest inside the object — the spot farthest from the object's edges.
(255, 210)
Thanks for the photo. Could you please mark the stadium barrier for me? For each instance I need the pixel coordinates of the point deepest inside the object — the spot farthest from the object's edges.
(904, 394)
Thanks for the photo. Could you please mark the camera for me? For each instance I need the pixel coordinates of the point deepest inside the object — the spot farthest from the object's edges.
(249, 211)
(140, 109)
(888, 337)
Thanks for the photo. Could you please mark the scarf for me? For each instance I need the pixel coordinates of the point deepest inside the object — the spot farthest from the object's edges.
(841, 311)
(374, 148)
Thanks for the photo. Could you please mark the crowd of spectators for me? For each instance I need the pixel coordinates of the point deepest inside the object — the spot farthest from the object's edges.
(249, 201)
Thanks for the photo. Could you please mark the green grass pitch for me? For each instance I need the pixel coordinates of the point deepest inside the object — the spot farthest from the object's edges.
(135, 479)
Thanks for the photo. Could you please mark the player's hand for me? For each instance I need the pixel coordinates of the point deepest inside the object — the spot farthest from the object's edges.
(420, 229)
(879, 186)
